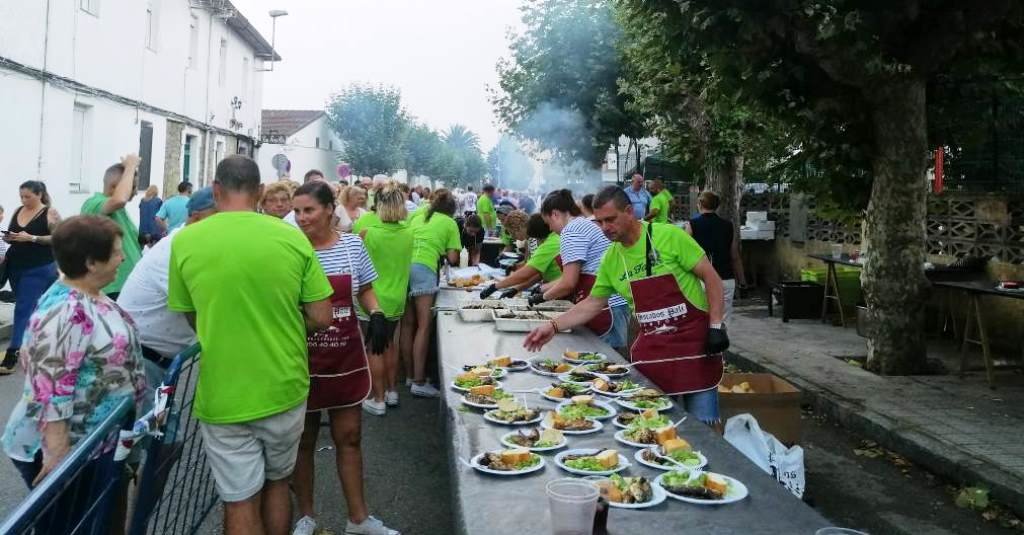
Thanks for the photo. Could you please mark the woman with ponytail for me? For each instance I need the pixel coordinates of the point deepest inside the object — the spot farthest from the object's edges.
(30, 265)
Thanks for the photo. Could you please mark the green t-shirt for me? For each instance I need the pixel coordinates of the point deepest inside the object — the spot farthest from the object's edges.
(661, 201)
(432, 238)
(390, 248)
(678, 254)
(418, 213)
(129, 241)
(543, 258)
(246, 276)
(365, 221)
(485, 209)
(505, 238)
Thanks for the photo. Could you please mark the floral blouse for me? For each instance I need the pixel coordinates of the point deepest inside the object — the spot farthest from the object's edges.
(81, 356)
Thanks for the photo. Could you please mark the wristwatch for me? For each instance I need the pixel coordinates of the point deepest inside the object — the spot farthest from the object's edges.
(35, 239)
(716, 325)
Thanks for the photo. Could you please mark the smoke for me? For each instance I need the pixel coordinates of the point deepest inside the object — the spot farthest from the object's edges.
(560, 137)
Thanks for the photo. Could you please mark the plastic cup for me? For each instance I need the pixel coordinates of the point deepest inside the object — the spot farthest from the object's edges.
(837, 251)
(838, 531)
(573, 503)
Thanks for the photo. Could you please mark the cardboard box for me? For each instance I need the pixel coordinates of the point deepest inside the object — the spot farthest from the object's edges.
(774, 402)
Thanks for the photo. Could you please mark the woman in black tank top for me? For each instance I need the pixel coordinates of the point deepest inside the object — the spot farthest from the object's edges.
(29, 260)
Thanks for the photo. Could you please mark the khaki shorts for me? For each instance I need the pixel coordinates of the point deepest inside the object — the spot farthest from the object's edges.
(243, 456)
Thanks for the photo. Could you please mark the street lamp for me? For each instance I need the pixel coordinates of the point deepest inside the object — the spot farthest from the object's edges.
(274, 14)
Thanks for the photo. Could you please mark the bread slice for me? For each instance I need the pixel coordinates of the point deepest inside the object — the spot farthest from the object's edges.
(716, 484)
(665, 434)
(551, 435)
(675, 444)
(562, 368)
(649, 414)
(556, 392)
(503, 361)
(484, 390)
(608, 458)
(600, 384)
(612, 493)
(481, 371)
(515, 456)
(571, 354)
(466, 376)
(582, 399)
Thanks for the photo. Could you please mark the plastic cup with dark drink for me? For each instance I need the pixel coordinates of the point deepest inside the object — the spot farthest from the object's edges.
(573, 503)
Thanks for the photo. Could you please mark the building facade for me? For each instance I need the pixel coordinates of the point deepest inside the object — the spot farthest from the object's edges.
(304, 138)
(87, 81)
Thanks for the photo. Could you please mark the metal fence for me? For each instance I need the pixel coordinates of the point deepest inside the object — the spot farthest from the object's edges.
(175, 490)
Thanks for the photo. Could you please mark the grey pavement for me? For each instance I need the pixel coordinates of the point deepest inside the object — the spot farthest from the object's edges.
(957, 428)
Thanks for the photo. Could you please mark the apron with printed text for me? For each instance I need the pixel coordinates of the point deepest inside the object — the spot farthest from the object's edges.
(339, 374)
(670, 326)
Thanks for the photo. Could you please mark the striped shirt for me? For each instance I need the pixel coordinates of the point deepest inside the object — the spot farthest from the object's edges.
(582, 241)
(348, 256)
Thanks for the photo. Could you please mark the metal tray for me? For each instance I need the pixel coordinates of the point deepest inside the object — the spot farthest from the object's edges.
(522, 325)
(478, 314)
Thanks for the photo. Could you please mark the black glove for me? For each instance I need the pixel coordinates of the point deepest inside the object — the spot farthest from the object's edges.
(486, 292)
(378, 333)
(511, 292)
(718, 341)
(536, 298)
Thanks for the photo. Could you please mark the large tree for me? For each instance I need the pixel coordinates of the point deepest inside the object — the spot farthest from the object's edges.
(559, 88)
(372, 122)
(853, 75)
(423, 146)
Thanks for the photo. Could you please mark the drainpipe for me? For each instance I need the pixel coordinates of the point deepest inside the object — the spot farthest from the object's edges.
(42, 95)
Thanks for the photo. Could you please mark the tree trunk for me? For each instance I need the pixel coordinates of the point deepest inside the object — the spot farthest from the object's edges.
(893, 279)
(726, 180)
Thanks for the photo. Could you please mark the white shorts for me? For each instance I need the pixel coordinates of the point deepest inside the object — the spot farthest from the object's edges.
(730, 290)
(243, 456)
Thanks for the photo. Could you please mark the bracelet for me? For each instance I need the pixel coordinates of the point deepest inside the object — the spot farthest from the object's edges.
(554, 324)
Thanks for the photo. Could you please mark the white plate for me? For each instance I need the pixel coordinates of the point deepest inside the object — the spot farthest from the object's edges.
(492, 419)
(597, 427)
(618, 375)
(565, 379)
(617, 394)
(658, 496)
(638, 456)
(603, 404)
(505, 440)
(513, 368)
(736, 492)
(541, 371)
(475, 462)
(620, 435)
(478, 405)
(544, 394)
(623, 426)
(602, 358)
(497, 384)
(627, 405)
(623, 462)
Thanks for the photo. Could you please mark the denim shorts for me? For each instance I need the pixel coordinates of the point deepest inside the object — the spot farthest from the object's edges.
(702, 405)
(618, 335)
(422, 280)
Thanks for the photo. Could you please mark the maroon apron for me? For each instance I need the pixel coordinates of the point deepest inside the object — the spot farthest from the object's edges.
(670, 326)
(339, 375)
(601, 324)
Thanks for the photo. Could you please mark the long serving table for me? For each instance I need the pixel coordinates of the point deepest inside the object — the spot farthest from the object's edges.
(518, 505)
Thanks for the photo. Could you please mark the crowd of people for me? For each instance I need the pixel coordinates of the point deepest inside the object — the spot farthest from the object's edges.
(317, 297)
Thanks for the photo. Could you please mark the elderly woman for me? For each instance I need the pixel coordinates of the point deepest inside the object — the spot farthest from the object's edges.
(353, 203)
(277, 199)
(81, 354)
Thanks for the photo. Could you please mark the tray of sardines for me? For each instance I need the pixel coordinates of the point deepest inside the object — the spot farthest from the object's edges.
(477, 310)
(521, 321)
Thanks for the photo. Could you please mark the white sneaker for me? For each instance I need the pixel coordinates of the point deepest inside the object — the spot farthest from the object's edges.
(305, 526)
(370, 526)
(391, 398)
(425, 390)
(376, 408)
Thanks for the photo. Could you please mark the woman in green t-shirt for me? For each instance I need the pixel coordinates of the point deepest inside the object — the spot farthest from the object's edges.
(388, 240)
(436, 235)
(540, 266)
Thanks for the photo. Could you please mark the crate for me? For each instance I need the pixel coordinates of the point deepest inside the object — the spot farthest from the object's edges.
(775, 403)
(798, 300)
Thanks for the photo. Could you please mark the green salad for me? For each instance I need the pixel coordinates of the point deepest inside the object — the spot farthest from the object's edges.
(534, 460)
(589, 464)
(545, 444)
(470, 382)
(682, 479)
(572, 388)
(687, 457)
(577, 411)
(656, 403)
(588, 356)
(649, 423)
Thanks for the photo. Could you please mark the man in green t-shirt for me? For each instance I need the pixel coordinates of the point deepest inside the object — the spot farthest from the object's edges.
(251, 285)
(673, 252)
(661, 202)
(119, 186)
(485, 208)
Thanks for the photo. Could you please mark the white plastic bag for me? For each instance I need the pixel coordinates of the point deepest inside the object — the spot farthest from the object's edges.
(786, 465)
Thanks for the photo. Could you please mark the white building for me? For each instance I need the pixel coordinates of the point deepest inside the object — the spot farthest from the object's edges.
(304, 137)
(83, 82)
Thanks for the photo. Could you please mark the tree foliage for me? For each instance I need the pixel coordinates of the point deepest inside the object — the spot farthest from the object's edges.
(453, 157)
(559, 88)
(372, 123)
